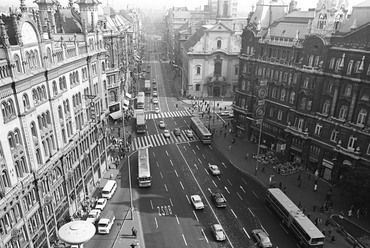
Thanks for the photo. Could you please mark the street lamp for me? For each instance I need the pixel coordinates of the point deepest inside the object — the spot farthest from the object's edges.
(182, 78)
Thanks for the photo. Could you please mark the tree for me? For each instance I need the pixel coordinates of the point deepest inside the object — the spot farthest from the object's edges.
(356, 185)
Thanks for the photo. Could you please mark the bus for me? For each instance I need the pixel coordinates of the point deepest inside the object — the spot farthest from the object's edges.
(140, 123)
(201, 130)
(140, 100)
(144, 178)
(299, 224)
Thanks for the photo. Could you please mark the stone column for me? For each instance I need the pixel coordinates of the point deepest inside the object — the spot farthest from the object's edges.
(353, 102)
(335, 98)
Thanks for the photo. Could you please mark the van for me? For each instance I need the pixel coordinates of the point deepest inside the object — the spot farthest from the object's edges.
(109, 189)
(106, 222)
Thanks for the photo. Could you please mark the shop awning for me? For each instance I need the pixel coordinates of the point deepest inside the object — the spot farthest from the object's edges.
(128, 95)
(116, 115)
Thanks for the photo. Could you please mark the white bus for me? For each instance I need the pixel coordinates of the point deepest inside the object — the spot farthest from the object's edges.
(144, 177)
(200, 129)
(109, 189)
(140, 123)
(140, 100)
(299, 224)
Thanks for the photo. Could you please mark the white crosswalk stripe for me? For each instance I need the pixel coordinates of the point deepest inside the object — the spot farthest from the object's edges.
(159, 140)
(179, 113)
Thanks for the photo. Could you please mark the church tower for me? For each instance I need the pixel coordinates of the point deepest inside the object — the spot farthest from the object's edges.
(329, 15)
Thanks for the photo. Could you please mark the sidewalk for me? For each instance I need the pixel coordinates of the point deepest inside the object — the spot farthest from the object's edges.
(311, 200)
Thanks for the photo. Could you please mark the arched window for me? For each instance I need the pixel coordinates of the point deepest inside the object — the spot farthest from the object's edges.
(50, 56)
(26, 101)
(4, 110)
(28, 60)
(48, 118)
(44, 123)
(10, 107)
(17, 137)
(43, 89)
(282, 95)
(198, 70)
(61, 83)
(38, 157)
(343, 112)
(348, 90)
(78, 77)
(45, 146)
(17, 63)
(326, 107)
(55, 88)
(11, 140)
(60, 112)
(5, 179)
(35, 97)
(273, 93)
(219, 43)
(302, 103)
(33, 129)
(361, 119)
(39, 92)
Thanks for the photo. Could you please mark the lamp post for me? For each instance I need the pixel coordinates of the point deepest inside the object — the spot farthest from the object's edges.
(182, 78)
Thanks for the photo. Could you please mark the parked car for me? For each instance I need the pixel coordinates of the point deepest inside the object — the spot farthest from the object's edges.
(162, 124)
(189, 133)
(219, 200)
(197, 202)
(262, 238)
(218, 232)
(101, 203)
(93, 216)
(166, 133)
(214, 169)
(155, 93)
(177, 131)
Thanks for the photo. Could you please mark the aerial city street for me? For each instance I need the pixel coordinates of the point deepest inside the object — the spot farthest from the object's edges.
(173, 127)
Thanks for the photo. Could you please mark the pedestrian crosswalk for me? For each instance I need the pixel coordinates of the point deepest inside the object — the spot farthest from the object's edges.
(158, 139)
(179, 113)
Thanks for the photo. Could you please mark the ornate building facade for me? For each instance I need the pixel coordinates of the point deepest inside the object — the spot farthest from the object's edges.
(54, 100)
(307, 77)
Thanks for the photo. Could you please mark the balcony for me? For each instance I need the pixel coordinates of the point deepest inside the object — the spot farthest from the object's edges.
(297, 131)
(241, 110)
(349, 151)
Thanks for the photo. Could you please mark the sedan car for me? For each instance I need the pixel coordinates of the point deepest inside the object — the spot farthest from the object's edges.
(101, 203)
(155, 94)
(177, 131)
(166, 133)
(197, 202)
(219, 200)
(155, 100)
(218, 232)
(162, 124)
(189, 133)
(156, 110)
(214, 169)
(262, 238)
(93, 216)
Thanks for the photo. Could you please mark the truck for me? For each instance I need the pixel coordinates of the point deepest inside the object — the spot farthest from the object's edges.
(147, 87)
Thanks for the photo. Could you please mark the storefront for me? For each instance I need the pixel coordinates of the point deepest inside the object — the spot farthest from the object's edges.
(327, 167)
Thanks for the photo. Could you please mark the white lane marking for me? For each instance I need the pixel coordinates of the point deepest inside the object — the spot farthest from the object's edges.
(186, 244)
(241, 187)
(196, 167)
(171, 162)
(197, 147)
(227, 190)
(282, 226)
(160, 173)
(167, 154)
(232, 211)
(239, 196)
(193, 151)
(196, 217)
(181, 185)
(251, 212)
(206, 171)
(245, 231)
(159, 211)
(205, 236)
(214, 183)
(177, 219)
(200, 161)
(187, 197)
(255, 194)
(165, 186)
(176, 173)
(171, 202)
(244, 181)
(264, 230)
(156, 223)
(229, 182)
(169, 209)
(224, 164)
(218, 177)
(157, 163)
(151, 204)
(203, 156)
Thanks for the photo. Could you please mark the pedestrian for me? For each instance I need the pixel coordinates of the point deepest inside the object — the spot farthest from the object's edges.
(230, 148)
(134, 232)
(300, 204)
(247, 156)
(263, 169)
(299, 177)
(300, 184)
(304, 210)
(225, 134)
(280, 185)
(332, 239)
(358, 213)
(323, 231)
(308, 215)
(284, 190)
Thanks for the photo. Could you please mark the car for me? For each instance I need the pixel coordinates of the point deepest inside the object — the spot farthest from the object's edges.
(162, 124)
(197, 202)
(231, 114)
(156, 110)
(219, 200)
(155, 93)
(262, 238)
(155, 100)
(177, 131)
(101, 203)
(166, 133)
(224, 113)
(214, 169)
(218, 232)
(93, 216)
(153, 81)
(189, 133)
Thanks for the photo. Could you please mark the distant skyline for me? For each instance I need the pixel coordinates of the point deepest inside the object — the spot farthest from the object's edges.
(244, 6)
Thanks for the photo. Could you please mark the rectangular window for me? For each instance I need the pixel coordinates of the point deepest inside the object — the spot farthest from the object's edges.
(331, 64)
(271, 112)
(334, 136)
(300, 124)
(337, 64)
(351, 142)
(280, 115)
(236, 71)
(368, 71)
(318, 129)
(349, 67)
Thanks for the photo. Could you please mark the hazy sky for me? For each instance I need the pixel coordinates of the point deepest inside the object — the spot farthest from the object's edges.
(244, 6)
